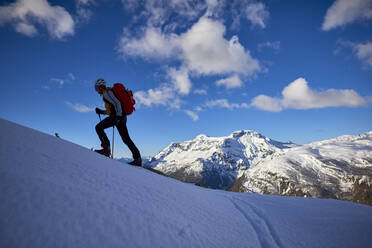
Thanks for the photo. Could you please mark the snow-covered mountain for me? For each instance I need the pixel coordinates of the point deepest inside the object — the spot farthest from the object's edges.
(54, 193)
(339, 168)
(215, 161)
(249, 162)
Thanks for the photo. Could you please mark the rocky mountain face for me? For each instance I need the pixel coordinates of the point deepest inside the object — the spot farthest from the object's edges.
(246, 161)
(339, 168)
(215, 161)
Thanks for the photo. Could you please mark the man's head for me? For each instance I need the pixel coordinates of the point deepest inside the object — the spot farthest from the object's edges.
(100, 85)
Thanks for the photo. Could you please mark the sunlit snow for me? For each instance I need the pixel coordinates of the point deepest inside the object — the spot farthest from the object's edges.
(54, 193)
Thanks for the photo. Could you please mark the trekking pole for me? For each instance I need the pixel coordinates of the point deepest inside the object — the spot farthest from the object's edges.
(112, 151)
(99, 115)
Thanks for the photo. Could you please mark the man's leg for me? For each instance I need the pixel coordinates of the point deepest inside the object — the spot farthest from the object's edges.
(123, 131)
(100, 129)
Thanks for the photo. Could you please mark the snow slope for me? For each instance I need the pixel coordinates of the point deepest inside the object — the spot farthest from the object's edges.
(57, 194)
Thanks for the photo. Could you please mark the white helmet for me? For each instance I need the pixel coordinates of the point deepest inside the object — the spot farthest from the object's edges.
(99, 83)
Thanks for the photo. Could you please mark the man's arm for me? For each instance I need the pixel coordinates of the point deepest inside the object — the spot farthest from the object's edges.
(100, 111)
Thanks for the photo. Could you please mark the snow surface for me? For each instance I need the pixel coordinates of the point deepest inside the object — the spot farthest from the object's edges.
(54, 193)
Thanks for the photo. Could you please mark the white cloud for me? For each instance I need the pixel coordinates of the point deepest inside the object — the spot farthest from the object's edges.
(343, 12)
(298, 95)
(71, 76)
(60, 81)
(364, 52)
(275, 45)
(80, 107)
(153, 44)
(169, 14)
(26, 29)
(23, 15)
(82, 8)
(192, 35)
(224, 103)
(213, 7)
(192, 114)
(164, 95)
(267, 103)
(253, 11)
(173, 14)
(200, 92)
(130, 5)
(180, 79)
(257, 14)
(230, 82)
(84, 2)
(199, 108)
(202, 49)
(206, 51)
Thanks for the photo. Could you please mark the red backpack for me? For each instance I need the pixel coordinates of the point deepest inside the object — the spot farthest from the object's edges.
(125, 97)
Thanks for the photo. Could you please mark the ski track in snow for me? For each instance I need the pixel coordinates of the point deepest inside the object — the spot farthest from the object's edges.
(265, 232)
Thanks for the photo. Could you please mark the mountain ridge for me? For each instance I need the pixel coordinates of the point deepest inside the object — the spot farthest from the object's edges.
(215, 161)
(318, 169)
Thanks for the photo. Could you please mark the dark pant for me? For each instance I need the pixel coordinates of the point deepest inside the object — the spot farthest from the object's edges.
(123, 131)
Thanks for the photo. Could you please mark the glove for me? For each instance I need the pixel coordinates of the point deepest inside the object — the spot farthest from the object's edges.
(100, 111)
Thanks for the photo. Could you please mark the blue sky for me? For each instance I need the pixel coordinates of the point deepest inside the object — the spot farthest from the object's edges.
(291, 70)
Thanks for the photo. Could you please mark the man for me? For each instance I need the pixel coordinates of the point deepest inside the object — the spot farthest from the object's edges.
(116, 117)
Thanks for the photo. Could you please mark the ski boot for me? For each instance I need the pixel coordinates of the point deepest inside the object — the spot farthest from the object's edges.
(136, 162)
(105, 151)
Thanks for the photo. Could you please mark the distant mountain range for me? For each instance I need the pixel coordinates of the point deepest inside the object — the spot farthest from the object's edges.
(246, 161)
